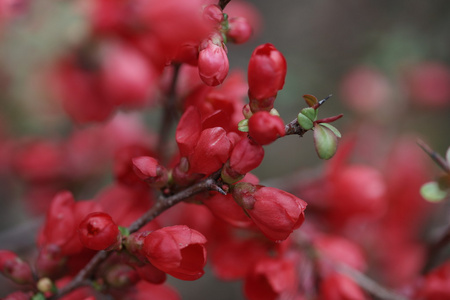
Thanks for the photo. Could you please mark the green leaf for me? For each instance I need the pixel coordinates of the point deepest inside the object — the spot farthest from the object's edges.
(310, 112)
(243, 125)
(325, 141)
(431, 192)
(304, 121)
(124, 231)
(332, 128)
(38, 296)
(310, 100)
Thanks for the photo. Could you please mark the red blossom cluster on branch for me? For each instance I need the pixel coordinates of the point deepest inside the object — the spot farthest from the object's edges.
(179, 199)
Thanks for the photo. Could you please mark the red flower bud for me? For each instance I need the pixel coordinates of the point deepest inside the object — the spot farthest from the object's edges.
(265, 128)
(177, 250)
(239, 31)
(245, 156)
(211, 152)
(213, 14)
(50, 261)
(120, 276)
(270, 279)
(148, 168)
(266, 72)
(18, 296)
(15, 268)
(275, 212)
(98, 231)
(213, 63)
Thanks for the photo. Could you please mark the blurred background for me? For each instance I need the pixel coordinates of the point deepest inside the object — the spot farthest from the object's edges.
(387, 64)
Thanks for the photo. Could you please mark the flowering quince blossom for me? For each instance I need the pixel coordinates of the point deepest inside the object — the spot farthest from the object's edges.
(177, 250)
(269, 279)
(275, 212)
(265, 128)
(98, 231)
(266, 74)
(169, 202)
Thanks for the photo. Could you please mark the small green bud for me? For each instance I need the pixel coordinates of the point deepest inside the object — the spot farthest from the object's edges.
(274, 112)
(431, 192)
(325, 141)
(310, 112)
(304, 121)
(243, 125)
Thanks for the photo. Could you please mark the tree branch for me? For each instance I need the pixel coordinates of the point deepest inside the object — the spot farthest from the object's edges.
(168, 115)
(161, 205)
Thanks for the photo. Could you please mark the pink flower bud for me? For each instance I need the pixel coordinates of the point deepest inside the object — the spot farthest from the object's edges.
(213, 63)
(177, 250)
(266, 72)
(265, 128)
(239, 31)
(275, 212)
(15, 268)
(213, 14)
(98, 231)
(148, 168)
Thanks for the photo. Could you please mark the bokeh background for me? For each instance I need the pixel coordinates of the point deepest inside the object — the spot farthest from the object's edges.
(323, 41)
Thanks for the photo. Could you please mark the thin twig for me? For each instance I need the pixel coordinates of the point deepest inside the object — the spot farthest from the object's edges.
(223, 3)
(168, 115)
(369, 284)
(435, 249)
(439, 160)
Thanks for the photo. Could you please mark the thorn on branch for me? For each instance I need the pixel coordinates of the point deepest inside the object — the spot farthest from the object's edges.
(223, 3)
(439, 160)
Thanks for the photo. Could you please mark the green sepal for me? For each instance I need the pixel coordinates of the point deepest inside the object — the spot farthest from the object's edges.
(310, 112)
(38, 296)
(325, 141)
(332, 128)
(310, 100)
(431, 192)
(124, 231)
(243, 125)
(304, 121)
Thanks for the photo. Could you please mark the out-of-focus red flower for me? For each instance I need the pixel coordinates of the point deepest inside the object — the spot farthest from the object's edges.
(175, 22)
(275, 212)
(266, 73)
(435, 285)
(270, 279)
(50, 261)
(339, 250)
(39, 161)
(188, 131)
(428, 84)
(18, 296)
(15, 268)
(98, 231)
(145, 291)
(339, 287)
(365, 90)
(355, 191)
(177, 250)
(213, 63)
(123, 163)
(232, 259)
(265, 128)
(126, 77)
